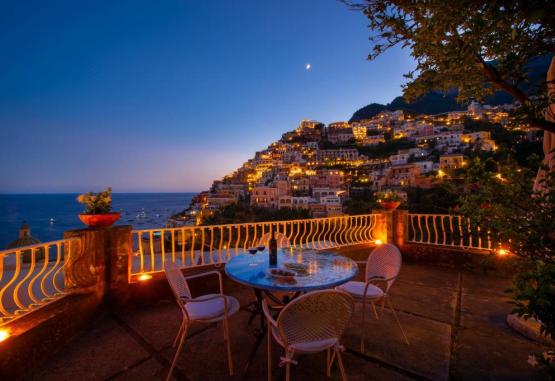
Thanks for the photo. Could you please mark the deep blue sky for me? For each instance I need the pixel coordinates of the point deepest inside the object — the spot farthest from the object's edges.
(167, 96)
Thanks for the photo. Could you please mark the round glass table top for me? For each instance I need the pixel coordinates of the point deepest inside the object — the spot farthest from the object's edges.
(321, 270)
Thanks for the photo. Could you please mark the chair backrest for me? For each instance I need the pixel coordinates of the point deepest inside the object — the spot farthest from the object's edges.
(317, 315)
(282, 240)
(177, 281)
(385, 262)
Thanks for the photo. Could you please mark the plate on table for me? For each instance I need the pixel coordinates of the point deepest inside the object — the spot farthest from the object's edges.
(300, 269)
(281, 273)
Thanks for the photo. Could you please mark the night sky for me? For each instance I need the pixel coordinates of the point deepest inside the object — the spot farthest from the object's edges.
(170, 95)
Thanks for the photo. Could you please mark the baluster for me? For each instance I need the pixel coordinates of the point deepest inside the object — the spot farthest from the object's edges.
(17, 300)
(173, 245)
(141, 252)
(151, 251)
(163, 246)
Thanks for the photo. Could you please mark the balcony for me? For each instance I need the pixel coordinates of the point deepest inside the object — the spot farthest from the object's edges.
(455, 319)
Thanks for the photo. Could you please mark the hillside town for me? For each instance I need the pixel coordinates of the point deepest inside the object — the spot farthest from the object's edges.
(317, 168)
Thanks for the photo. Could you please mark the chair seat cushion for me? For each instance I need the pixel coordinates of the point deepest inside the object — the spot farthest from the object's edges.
(210, 309)
(356, 289)
(305, 346)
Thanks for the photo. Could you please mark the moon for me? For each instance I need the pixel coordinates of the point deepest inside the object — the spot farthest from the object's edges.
(308, 66)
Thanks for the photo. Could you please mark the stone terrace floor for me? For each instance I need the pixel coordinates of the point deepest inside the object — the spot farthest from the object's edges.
(455, 321)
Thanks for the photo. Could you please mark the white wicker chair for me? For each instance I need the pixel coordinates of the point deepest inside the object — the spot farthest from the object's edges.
(382, 267)
(311, 323)
(282, 240)
(209, 308)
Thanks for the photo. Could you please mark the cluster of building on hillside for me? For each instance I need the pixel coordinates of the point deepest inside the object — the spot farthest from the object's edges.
(318, 167)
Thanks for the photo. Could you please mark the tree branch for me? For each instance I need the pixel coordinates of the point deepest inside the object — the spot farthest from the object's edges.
(542, 124)
(493, 75)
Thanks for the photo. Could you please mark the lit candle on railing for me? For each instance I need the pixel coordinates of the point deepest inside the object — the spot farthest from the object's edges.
(502, 252)
(4, 334)
(144, 277)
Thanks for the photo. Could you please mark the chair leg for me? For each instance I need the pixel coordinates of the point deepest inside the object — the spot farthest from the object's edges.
(328, 362)
(287, 371)
(375, 311)
(177, 353)
(289, 354)
(340, 362)
(390, 305)
(269, 350)
(181, 327)
(363, 327)
(228, 342)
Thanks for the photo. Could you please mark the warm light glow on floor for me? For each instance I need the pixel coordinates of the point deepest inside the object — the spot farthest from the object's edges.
(144, 277)
(4, 334)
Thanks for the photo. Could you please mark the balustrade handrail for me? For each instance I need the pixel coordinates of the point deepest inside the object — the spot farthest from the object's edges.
(31, 277)
(447, 230)
(253, 223)
(193, 246)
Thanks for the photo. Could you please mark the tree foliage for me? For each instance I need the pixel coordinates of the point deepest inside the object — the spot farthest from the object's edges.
(242, 212)
(499, 199)
(476, 47)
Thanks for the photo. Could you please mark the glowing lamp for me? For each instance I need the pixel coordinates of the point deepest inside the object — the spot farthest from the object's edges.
(502, 252)
(4, 334)
(144, 277)
(378, 242)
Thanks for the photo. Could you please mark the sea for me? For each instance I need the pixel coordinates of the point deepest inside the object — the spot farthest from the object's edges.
(49, 215)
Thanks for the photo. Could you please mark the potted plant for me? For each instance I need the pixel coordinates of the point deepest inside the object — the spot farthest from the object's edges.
(98, 208)
(388, 200)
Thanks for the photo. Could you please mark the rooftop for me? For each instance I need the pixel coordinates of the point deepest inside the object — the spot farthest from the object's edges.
(455, 321)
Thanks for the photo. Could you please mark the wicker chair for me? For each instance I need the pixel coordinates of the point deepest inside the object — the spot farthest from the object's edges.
(209, 308)
(282, 240)
(311, 323)
(382, 268)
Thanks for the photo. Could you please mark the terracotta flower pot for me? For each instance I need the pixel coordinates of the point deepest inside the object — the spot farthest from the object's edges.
(390, 205)
(99, 220)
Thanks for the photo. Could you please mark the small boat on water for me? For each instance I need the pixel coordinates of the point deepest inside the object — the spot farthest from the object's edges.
(141, 214)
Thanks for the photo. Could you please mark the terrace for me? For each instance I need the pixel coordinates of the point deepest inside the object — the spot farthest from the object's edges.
(119, 321)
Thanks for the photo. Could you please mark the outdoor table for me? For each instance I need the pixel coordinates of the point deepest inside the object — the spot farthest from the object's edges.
(324, 270)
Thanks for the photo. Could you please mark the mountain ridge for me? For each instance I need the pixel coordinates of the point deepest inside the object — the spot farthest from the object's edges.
(435, 102)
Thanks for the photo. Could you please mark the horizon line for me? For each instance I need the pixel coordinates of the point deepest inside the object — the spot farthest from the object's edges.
(133, 192)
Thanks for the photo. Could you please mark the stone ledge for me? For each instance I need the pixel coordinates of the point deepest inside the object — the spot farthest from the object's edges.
(37, 336)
